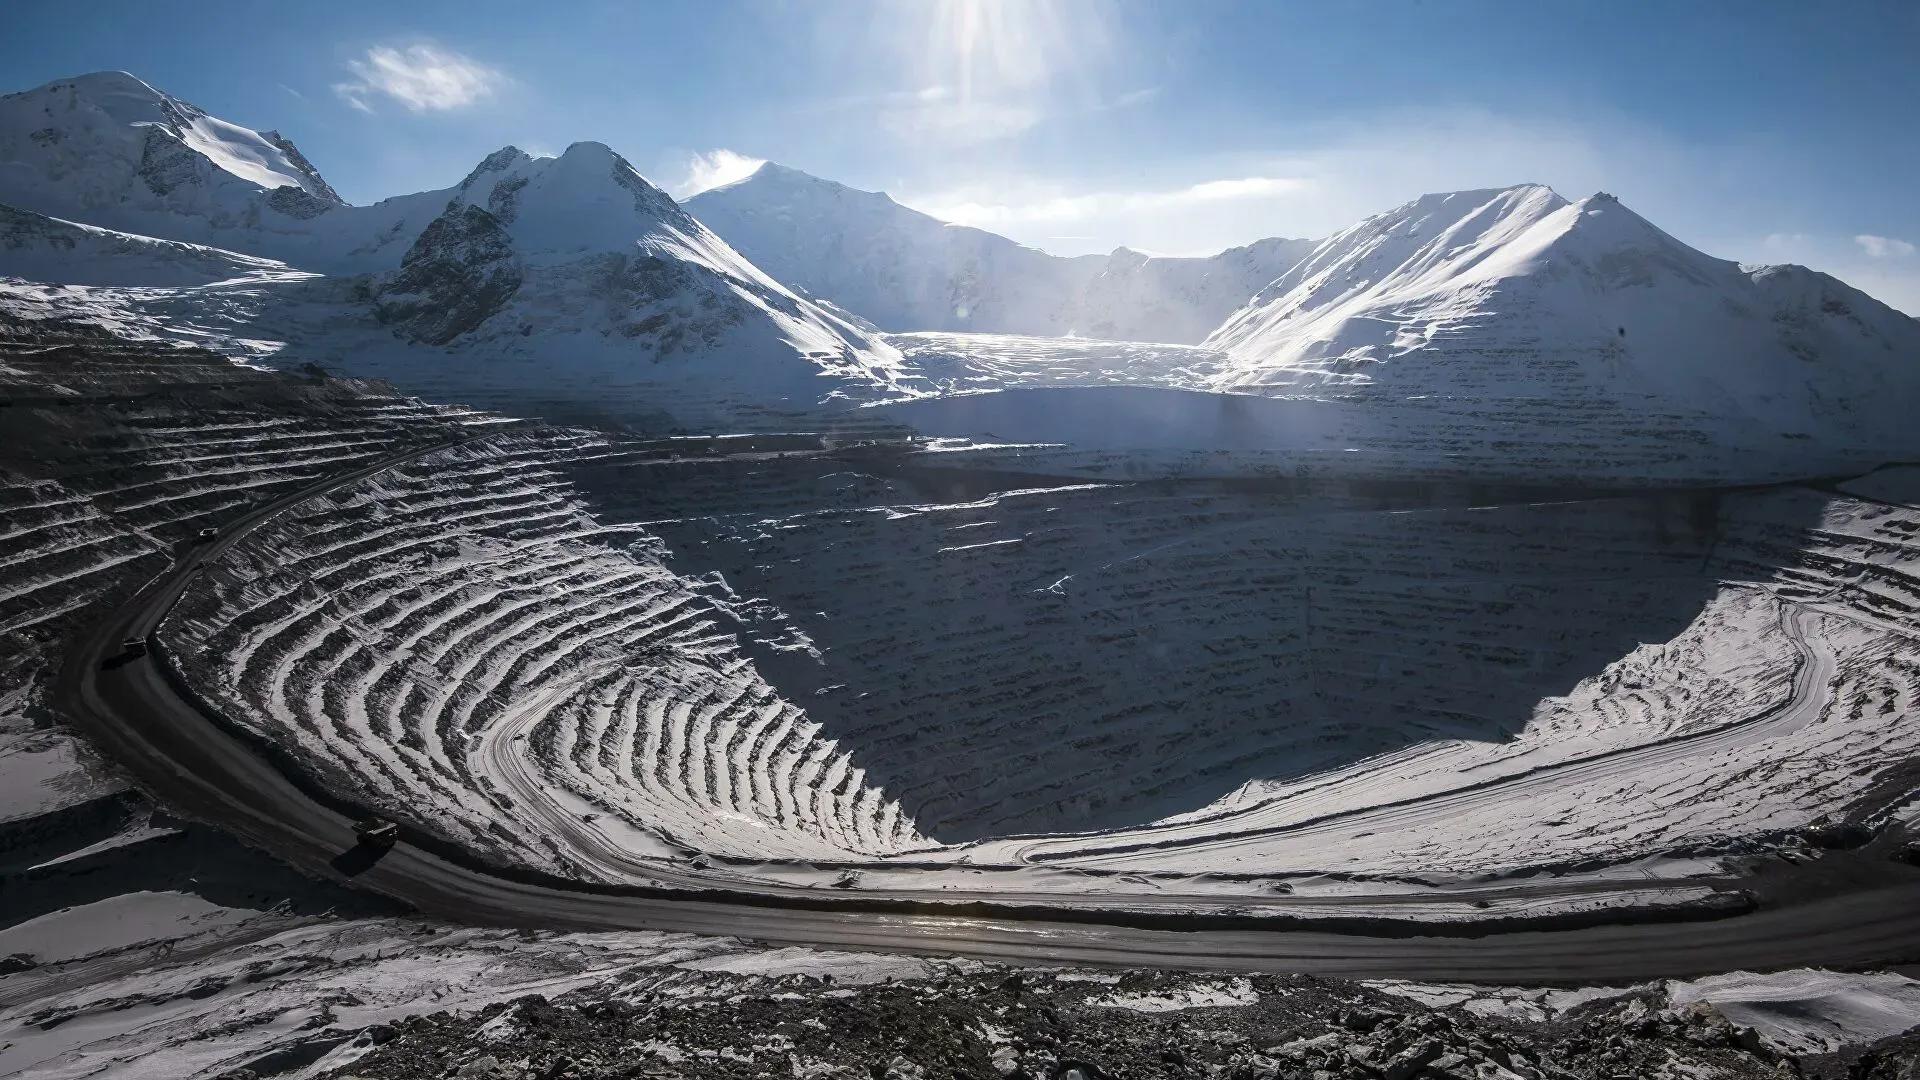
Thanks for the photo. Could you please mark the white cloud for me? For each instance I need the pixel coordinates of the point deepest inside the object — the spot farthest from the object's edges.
(424, 78)
(1883, 247)
(1103, 204)
(714, 168)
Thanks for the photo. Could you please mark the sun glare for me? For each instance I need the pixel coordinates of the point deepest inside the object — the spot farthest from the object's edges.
(993, 49)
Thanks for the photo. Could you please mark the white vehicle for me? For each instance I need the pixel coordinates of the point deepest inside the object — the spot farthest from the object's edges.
(377, 832)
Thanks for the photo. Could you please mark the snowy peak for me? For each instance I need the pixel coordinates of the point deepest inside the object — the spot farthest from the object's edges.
(1142, 297)
(587, 199)
(772, 181)
(905, 270)
(1433, 235)
(1615, 248)
(109, 145)
(582, 248)
(1517, 303)
(895, 266)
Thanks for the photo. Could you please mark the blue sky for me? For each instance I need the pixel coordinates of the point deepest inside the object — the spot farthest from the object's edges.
(1766, 132)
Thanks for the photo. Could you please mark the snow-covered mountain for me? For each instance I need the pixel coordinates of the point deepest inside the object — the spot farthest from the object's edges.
(1140, 297)
(909, 271)
(1520, 303)
(108, 149)
(581, 249)
(576, 261)
(890, 264)
(1501, 327)
(43, 248)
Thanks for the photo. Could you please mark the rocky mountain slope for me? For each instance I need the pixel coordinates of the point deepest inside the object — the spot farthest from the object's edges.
(905, 270)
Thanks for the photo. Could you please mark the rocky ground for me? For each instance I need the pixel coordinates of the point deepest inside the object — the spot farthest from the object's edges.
(987, 1022)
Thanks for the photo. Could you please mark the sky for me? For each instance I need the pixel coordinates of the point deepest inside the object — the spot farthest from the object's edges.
(1757, 131)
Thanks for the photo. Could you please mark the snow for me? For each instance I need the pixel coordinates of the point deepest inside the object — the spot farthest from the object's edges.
(956, 363)
(243, 152)
(1798, 1012)
(108, 149)
(1517, 300)
(1500, 332)
(115, 923)
(846, 969)
(45, 771)
(278, 985)
(1225, 993)
(1809, 1012)
(33, 246)
(895, 266)
(688, 297)
(908, 271)
(490, 642)
(106, 108)
(526, 258)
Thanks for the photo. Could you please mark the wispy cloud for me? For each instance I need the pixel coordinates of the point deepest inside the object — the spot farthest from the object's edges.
(885, 99)
(1095, 205)
(1136, 97)
(1883, 247)
(714, 168)
(423, 78)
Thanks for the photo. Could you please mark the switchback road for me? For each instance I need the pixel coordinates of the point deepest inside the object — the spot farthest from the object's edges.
(1847, 910)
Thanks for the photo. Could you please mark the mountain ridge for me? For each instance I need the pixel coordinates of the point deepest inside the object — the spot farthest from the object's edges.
(906, 270)
(1510, 307)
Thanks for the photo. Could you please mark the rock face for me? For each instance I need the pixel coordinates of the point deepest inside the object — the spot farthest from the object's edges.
(906, 270)
(455, 276)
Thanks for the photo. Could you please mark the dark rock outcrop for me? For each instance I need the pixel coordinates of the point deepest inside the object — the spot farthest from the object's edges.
(458, 273)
